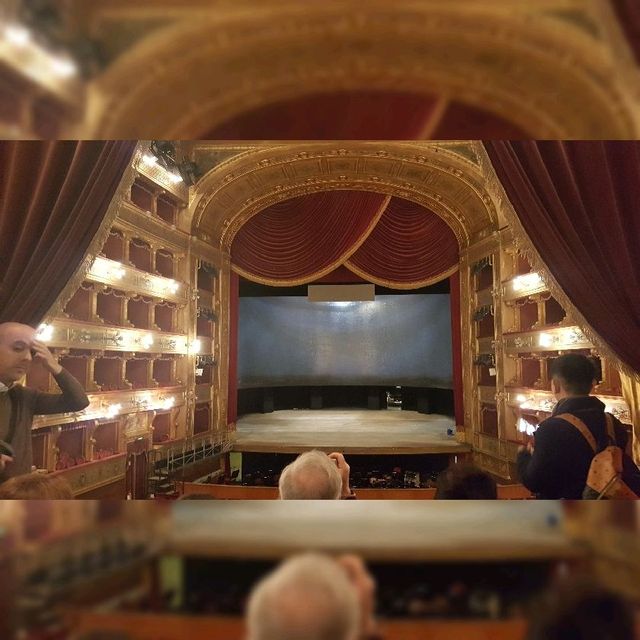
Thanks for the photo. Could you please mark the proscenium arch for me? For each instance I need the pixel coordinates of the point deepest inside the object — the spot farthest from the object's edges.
(199, 73)
(429, 174)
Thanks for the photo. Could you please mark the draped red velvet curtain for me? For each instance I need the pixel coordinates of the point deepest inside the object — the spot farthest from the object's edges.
(232, 389)
(54, 197)
(355, 115)
(401, 244)
(409, 246)
(303, 238)
(579, 203)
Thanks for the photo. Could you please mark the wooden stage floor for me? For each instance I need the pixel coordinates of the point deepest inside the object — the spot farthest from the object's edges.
(354, 431)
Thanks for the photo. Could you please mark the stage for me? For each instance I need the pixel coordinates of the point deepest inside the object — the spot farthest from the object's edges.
(351, 431)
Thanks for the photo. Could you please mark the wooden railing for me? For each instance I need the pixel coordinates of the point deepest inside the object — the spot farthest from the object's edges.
(140, 626)
(239, 492)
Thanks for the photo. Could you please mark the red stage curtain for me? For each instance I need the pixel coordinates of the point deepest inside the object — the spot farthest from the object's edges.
(579, 204)
(355, 115)
(629, 15)
(410, 246)
(456, 348)
(232, 389)
(303, 238)
(54, 197)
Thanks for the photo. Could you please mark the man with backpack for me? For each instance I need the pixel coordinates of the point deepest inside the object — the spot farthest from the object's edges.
(580, 445)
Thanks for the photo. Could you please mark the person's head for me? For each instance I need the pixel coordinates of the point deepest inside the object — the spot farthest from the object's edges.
(581, 611)
(465, 482)
(572, 375)
(311, 476)
(36, 486)
(15, 351)
(308, 597)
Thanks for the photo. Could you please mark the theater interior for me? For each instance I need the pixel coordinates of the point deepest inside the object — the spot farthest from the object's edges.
(229, 305)
(149, 570)
(338, 69)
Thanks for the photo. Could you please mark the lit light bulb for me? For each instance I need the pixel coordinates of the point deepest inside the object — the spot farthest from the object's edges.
(17, 35)
(175, 178)
(195, 345)
(147, 158)
(44, 333)
(64, 67)
(146, 341)
(112, 410)
(545, 340)
(173, 286)
(520, 398)
(117, 272)
(167, 403)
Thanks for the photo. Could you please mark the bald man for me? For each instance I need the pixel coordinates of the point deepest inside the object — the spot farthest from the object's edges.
(315, 475)
(314, 597)
(19, 348)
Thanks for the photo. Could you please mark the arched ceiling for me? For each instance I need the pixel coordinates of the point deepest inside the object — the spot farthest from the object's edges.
(446, 179)
(543, 66)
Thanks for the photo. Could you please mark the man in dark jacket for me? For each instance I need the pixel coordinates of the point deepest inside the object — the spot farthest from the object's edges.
(558, 465)
(18, 349)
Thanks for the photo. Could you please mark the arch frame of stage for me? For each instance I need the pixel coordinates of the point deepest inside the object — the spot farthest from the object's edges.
(492, 57)
(430, 174)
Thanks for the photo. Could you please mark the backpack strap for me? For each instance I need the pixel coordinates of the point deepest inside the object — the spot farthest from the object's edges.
(611, 432)
(582, 428)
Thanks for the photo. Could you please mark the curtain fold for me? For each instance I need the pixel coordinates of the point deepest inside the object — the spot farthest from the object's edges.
(302, 239)
(53, 197)
(340, 115)
(456, 349)
(631, 393)
(232, 389)
(577, 203)
(410, 247)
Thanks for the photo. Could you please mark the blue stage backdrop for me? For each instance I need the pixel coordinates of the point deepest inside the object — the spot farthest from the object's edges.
(394, 340)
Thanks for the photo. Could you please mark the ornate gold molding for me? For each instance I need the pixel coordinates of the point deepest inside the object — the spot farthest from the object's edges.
(502, 57)
(79, 335)
(113, 405)
(551, 339)
(130, 279)
(427, 173)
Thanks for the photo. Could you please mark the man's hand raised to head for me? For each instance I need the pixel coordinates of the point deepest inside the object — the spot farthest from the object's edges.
(365, 587)
(42, 355)
(344, 470)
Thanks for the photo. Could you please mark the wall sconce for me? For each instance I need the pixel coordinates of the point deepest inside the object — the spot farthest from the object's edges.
(112, 410)
(44, 332)
(146, 341)
(527, 281)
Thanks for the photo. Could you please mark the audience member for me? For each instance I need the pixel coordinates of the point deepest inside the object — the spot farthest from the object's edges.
(313, 597)
(36, 486)
(315, 475)
(465, 482)
(557, 465)
(577, 611)
(18, 404)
